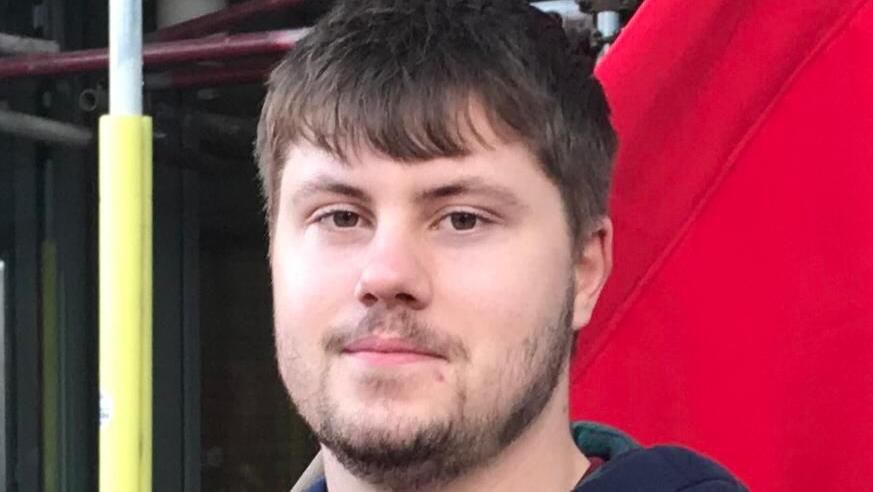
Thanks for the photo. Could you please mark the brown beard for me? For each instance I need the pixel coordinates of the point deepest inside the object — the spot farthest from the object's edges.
(439, 452)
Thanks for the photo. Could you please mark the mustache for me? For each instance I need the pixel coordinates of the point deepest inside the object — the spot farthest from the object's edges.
(402, 325)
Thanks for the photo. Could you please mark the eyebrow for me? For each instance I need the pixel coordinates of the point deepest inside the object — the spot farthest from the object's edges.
(327, 184)
(470, 186)
(461, 187)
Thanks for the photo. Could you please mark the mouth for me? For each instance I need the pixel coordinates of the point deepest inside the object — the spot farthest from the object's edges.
(389, 352)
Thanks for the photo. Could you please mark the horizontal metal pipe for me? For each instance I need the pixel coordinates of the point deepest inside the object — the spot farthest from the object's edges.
(20, 45)
(567, 9)
(221, 20)
(211, 48)
(572, 17)
(44, 130)
(205, 126)
(209, 76)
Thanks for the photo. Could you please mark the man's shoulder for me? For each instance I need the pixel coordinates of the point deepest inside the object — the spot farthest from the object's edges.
(319, 485)
(658, 469)
(661, 468)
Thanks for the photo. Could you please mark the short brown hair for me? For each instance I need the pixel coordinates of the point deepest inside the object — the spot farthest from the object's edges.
(399, 76)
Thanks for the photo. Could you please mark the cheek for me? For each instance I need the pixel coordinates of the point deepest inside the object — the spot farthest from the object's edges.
(511, 283)
(309, 284)
(309, 293)
(308, 296)
(496, 300)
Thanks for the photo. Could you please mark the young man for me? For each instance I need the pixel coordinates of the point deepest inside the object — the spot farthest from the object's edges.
(436, 175)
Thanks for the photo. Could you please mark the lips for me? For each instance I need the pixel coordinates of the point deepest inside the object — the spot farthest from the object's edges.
(388, 346)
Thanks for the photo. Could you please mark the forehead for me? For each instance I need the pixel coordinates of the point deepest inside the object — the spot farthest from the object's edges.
(508, 165)
(478, 146)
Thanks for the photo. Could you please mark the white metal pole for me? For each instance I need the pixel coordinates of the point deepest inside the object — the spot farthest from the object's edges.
(125, 57)
(608, 23)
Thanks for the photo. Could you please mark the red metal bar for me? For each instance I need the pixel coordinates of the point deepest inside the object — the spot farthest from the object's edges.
(219, 21)
(212, 48)
(237, 73)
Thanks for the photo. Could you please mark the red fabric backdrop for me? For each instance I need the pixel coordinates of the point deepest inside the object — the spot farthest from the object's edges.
(739, 318)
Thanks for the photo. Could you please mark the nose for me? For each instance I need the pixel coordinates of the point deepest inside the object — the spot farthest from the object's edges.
(394, 274)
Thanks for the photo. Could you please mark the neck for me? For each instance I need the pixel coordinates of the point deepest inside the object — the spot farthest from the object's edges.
(544, 457)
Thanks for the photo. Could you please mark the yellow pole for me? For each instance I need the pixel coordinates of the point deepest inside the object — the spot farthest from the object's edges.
(125, 303)
(125, 263)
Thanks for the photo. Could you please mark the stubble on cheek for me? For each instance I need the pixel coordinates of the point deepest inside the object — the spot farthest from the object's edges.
(302, 381)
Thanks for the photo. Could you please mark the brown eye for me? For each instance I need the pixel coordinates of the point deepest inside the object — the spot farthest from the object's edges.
(345, 219)
(462, 221)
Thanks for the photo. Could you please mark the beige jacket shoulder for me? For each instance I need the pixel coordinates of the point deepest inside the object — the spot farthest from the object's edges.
(313, 472)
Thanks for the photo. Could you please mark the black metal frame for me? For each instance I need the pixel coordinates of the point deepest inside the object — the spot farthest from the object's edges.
(176, 373)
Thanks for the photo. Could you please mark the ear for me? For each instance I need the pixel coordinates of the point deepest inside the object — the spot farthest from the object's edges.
(592, 266)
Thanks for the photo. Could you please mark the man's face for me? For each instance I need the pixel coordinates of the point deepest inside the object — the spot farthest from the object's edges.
(423, 311)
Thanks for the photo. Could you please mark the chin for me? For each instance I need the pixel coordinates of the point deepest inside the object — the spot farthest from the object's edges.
(387, 412)
(394, 394)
